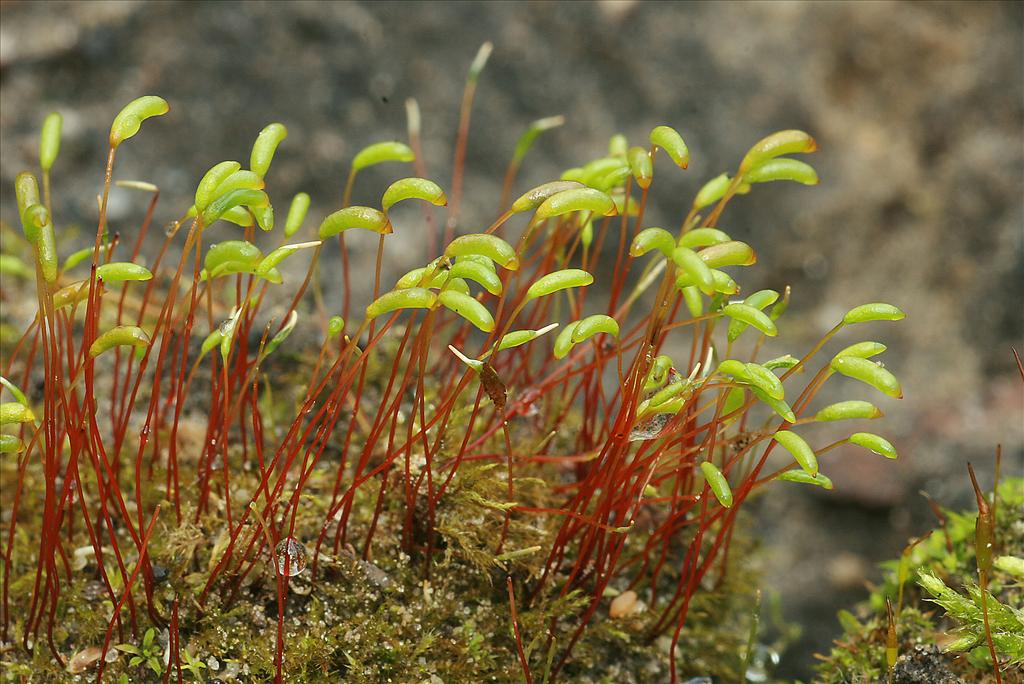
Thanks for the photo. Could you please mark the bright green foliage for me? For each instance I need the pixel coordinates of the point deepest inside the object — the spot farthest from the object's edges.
(802, 452)
(559, 280)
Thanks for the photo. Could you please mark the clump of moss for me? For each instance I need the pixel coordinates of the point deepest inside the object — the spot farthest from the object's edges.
(940, 628)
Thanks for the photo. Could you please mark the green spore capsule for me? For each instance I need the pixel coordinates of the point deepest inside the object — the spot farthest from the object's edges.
(782, 169)
(364, 218)
(211, 342)
(776, 145)
(14, 412)
(694, 302)
(129, 120)
(334, 326)
(409, 298)
(801, 451)
(490, 246)
(269, 262)
(527, 139)
(265, 217)
(732, 253)
(759, 300)
(563, 341)
(694, 267)
(282, 334)
(297, 211)
(248, 197)
(579, 199)
(668, 139)
(723, 283)
(869, 373)
(641, 167)
(593, 325)
(211, 180)
(240, 216)
(848, 410)
(559, 280)
(468, 308)
(49, 140)
(712, 191)
(718, 483)
(478, 273)
(658, 373)
(861, 350)
(765, 380)
(877, 311)
(781, 408)
(415, 278)
(653, 238)
(13, 389)
(413, 188)
(76, 258)
(378, 153)
(753, 317)
(781, 305)
(703, 237)
(265, 146)
(9, 444)
(227, 333)
(33, 218)
(533, 198)
(74, 293)
(872, 442)
(120, 336)
(26, 190)
(802, 476)
(239, 180)
(240, 256)
(618, 145)
(518, 338)
(120, 271)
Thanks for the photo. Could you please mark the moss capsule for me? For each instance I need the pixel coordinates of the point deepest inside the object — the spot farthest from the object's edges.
(365, 218)
(119, 271)
(468, 308)
(653, 238)
(802, 476)
(753, 317)
(247, 197)
(265, 146)
(478, 273)
(668, 139)
(698, 271)
(49, 140)
(593, 325)
(782, 169)
(640, 165)
(732, 253)
(718, 483)
(776, 145)
(703, 237)
(409, 298)
(413, 188)
(559, 280)
(800, 450)
(877, 311)
(211, 180)
(128, 121)
(563, 341)
(579, 199)
(533, 198)
(848, 410)
(378, 153)
(490, 246)
(297, 211)
(872, 442)
(120, 336)
(14, 412)
(869, 373)
(759, 300)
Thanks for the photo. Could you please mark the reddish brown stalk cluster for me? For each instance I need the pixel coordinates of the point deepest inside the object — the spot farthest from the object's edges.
(108, 463)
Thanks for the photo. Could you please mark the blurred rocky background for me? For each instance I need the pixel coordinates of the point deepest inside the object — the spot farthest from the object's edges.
(918, 109)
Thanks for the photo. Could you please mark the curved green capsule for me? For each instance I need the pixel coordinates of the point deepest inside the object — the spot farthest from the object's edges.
(248, 197)
(559, 280)
(282, 334)
(703, 237)
(876, 311)
(413, 188)
(227, 333)
(753, 317)
(765, 380)
(334, 326)
(468, 308)
(593, 325)
(206, 191)
(456, 285)
(618, 145)
(478, 273)
(120, 336)
(694, 266)
(784, 361)
(239, 180)
(211, 342)
(240, 216)
(129, 120)
(269, 262)
(49, 140)
(265, 146)
(694, 302)
(668, 139)
(378, 153)
(74, 293)
(9, 444)
(759, 300)
(641, 167)
(597, 169)
(264, 217)
(518, 338)
(800, 450)
(862, 350)
(781, 305)
(296, 214)
(26, 190)
(732, 253)
(533, 198)
(869, 373)
(575, 174)
(45, 246)
(76, 258)
(33, 218)
(490, 246)
(579, 199)
(563, 341)
(242, 256)
(14, 412)
(13, 389)
(782, 169)
(802, 476)
(776, 145)
(365, 218)
(781, 408)
(671, 391)
(872, 442)
(527, 139)
(712, 191)
(120, 271)
(848, 410)
(653, 238)
(414, 278)
(717, 482)
(409, 298)
(613, 178)
(658, 372)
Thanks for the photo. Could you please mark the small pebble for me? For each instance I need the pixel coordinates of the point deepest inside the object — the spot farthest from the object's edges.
(623, 605)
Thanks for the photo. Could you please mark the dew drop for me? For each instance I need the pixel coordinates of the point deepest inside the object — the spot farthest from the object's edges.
(290, 557)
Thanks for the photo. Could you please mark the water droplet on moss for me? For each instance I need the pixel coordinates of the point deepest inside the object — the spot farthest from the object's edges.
(290, 557)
